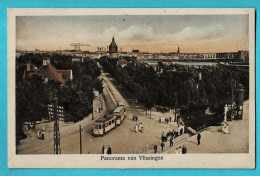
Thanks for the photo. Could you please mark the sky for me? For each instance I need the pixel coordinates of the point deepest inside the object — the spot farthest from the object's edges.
(155, 34)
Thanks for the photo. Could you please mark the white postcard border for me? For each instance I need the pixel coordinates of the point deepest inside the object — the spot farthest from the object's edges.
(93, 160)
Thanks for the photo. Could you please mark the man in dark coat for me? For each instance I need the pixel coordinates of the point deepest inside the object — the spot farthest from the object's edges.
(103, 149)
(198, 138)
(184, 150)
(155, 149)
(109, 150)
(162, 146)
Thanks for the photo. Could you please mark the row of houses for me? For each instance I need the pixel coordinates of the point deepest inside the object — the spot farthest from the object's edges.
(240, 55)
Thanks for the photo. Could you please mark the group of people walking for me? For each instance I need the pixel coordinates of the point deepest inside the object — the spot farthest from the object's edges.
(178, 150)
(181, 150)
(106, 150)
(170, 135)
(139, 127)
(135, 118)
(165, 120)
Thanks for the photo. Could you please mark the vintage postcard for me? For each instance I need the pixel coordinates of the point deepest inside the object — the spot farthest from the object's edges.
(131, 88)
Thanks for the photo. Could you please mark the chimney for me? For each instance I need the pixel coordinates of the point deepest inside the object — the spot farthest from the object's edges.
(28, 66)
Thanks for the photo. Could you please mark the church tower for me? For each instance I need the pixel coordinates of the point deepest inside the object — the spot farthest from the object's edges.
(178, 50)
(113, 47)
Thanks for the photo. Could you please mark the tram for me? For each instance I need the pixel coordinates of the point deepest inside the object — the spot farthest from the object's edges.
(111, 121)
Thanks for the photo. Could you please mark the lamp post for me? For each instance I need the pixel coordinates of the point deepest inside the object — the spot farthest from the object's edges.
(80, 139)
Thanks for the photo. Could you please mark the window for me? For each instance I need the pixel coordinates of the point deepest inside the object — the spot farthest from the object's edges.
(99, 126)
(113, 121)
(109, 122)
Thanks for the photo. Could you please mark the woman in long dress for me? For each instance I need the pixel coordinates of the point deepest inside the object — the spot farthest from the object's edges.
(226, 130)
(136, 128)
(105, 150)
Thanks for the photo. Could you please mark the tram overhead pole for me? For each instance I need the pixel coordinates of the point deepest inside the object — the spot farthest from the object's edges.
(56, 112)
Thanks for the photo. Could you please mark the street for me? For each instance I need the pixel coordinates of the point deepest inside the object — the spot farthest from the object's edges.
(125, 140)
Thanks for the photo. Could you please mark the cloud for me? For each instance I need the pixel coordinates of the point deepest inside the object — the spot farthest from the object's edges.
(135, 34)
(190, 34)
(138, 33)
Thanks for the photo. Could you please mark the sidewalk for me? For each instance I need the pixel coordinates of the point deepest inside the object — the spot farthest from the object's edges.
(213, 141)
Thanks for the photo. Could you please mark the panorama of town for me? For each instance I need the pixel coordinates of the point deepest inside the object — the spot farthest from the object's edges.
(113, 102)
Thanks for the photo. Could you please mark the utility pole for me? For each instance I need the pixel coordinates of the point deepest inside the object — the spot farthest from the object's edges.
(175, 111)
(56, 112)
(93, 110)
(101, 100)
(56, 134)
(232, 92)
(80, 139)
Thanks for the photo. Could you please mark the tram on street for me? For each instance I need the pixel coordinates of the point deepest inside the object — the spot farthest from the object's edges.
(111, 121)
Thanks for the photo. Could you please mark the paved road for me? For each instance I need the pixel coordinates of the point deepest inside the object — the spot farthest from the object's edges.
(123, 139)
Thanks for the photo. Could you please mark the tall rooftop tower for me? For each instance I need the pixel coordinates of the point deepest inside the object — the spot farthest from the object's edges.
(178, 50)
(113, 46)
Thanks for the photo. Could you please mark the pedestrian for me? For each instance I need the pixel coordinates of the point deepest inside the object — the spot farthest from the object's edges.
(176, 133)
(181, 131)
(198, 138)
(103, 149)
(155, 149)
(139, 126)
(109, 150)
(39, 134)
(142, 127)
(184, 150)
(180, 150)
(133, 117)
(42, 135)
(226, 130)
(162, 146)
(136, 128)
(171, 142)
(162, 137)
(136, 118)
(170, 119)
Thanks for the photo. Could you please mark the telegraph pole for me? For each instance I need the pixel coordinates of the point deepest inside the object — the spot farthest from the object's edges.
(175, 111)
(93, 110)
(232, 92)
(55, 113)
(80, 139)
(56, 134)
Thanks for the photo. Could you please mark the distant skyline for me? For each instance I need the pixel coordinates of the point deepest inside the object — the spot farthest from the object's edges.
(155, 34)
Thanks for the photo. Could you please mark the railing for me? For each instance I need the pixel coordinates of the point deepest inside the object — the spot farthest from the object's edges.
(176, 141)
